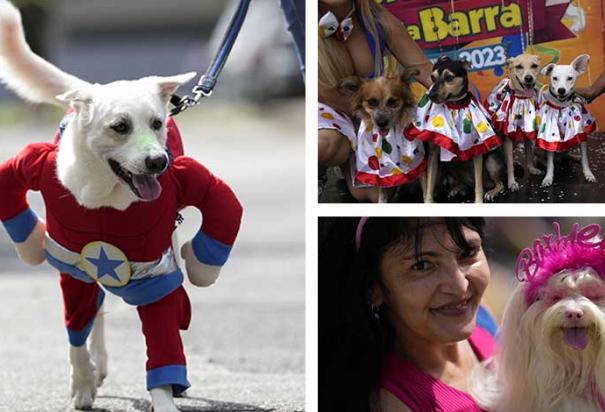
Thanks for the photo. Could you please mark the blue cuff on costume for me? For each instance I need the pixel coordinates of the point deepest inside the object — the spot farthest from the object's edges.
(21, 226)
(175, 375)
(78, 337)
(210, 251)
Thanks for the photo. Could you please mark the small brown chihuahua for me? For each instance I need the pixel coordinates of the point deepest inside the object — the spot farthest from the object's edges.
(384, 103)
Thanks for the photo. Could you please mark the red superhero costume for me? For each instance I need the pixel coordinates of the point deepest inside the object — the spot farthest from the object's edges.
(129, 252)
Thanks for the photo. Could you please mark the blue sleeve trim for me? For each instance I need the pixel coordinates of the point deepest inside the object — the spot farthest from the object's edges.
(486, 321)
(175, 375)
(78, 337)
(21, 226)
(210, 251)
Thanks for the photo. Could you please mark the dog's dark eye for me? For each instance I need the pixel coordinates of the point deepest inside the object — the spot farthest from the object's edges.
(373, 102)
(534, 66)
(519, 67)
(570, 78)
(156, 124)
(555, 78)
(392, 102)
(120, 127)
(449, 78)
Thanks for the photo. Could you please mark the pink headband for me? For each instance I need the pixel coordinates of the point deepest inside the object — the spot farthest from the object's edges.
(359, 232)
(552, 253)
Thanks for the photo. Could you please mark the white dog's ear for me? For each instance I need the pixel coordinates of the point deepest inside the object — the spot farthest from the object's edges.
(81, 100)
(547, 70)
(580, 63)
(169, 84)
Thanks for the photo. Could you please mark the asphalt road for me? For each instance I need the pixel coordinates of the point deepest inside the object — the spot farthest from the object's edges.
(245, 345)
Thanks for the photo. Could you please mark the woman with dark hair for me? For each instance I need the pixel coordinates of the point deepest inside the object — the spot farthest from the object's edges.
(400, 321)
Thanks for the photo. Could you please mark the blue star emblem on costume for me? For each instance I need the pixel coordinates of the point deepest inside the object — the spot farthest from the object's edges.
(106, 266)
(105, 263)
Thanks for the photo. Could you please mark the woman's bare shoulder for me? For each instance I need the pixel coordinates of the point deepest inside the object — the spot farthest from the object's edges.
(390, 403)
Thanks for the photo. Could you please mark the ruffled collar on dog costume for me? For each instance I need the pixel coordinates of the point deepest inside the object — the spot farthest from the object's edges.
(552, 253)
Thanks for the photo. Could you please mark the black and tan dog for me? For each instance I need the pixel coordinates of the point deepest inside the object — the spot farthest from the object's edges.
(450, 86)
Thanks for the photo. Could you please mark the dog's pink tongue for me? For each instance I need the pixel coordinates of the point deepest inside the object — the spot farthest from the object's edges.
(577, 338)
(148, 186)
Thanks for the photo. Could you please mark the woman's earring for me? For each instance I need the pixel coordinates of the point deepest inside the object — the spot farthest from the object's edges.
(375, 311)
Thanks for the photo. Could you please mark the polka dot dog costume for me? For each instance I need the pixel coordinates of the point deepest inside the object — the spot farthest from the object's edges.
(562, 127)
(463, 129)
(513, 115)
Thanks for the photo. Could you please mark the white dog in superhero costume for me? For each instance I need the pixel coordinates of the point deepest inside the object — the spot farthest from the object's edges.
(112, 192)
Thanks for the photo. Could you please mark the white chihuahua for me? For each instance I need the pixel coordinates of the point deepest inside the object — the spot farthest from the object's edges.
(563, 120)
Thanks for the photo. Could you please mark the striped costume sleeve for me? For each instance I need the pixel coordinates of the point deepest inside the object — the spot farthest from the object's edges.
(220, 208)
(18, 175)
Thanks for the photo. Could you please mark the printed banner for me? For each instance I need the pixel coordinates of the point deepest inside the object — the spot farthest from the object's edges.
(487, 32)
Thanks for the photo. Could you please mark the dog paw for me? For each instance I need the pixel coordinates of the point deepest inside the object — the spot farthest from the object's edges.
(100, 361)
(491, 195)
(83, 378)
(161, 400)
(534, 171)
(590, 177)
(83, 391)
(512, 186)
(478, 199)
(547, 181)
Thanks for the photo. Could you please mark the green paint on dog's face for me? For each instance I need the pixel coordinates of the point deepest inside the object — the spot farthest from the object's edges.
(145, 140)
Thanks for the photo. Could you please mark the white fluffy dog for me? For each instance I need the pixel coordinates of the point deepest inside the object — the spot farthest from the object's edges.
(101, 161)
(552, 354)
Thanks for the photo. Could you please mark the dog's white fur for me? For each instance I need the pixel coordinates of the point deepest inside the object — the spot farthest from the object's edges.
(562, 86)
(82, 167)
(536, 370)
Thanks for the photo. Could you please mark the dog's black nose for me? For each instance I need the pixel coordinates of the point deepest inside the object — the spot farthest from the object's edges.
(528, 78)
(561, 91)
(382, 122)
(156, 164)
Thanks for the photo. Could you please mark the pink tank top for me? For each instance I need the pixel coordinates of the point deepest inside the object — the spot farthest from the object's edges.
(421, 392)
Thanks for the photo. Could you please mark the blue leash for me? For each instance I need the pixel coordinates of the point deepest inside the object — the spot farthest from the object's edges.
(207, 81)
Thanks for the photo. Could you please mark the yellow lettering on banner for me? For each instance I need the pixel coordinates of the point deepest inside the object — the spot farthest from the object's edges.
(490, 18)
(414, 31)
(435, 25)
(475, 18)
(511, 16)
(463, 27)
(434, 30)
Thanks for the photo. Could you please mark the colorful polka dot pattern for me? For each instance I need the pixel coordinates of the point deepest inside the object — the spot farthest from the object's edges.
(515, 116)
(560, 127)
(462, 128)
(385, 156)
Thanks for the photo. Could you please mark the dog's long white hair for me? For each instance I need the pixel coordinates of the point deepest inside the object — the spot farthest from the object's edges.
(535, 369)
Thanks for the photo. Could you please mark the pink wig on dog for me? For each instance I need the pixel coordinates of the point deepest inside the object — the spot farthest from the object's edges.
(552, 336)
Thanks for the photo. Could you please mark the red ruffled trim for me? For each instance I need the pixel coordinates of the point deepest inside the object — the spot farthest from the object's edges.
(391, 181)
(448, 144)
(517, 135)
(562, 146)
